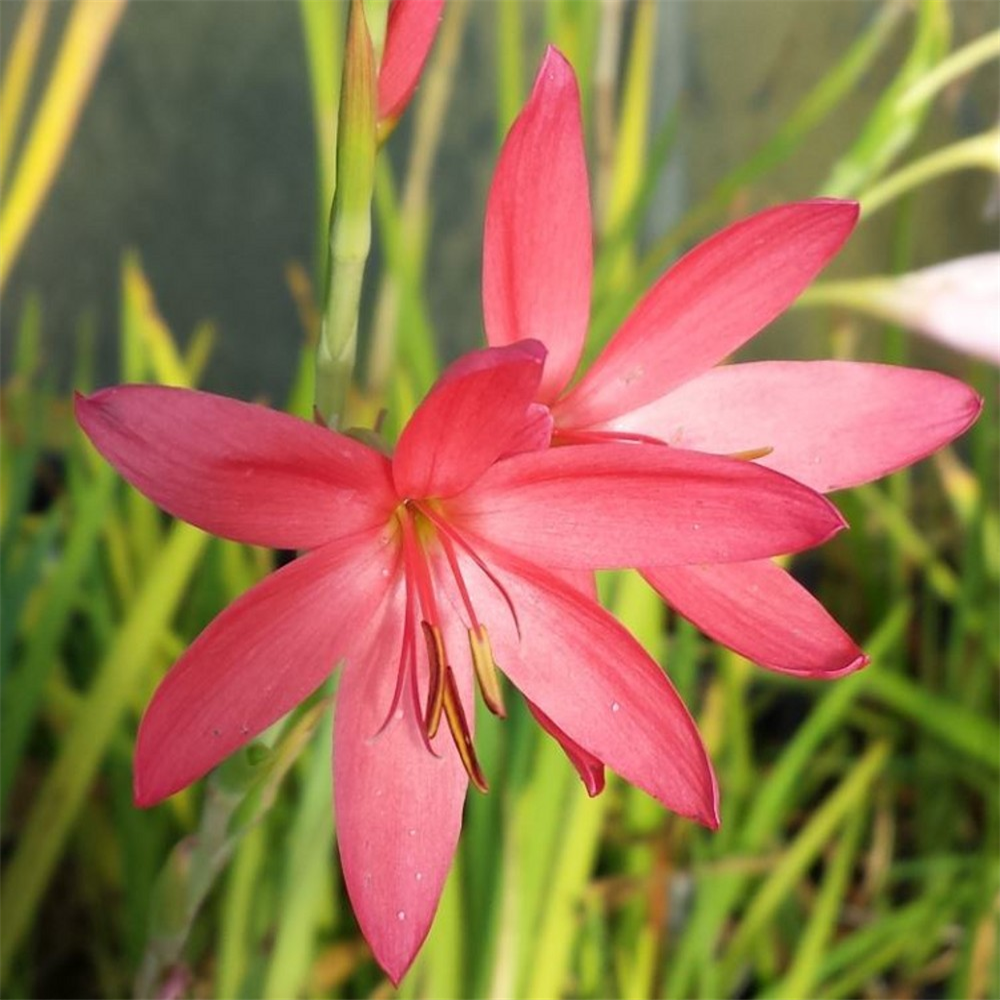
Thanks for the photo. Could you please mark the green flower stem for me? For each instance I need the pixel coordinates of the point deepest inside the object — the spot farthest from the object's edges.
(58, 803)
(404, 235)
(979, 151)
(350, 220)
(958, 64)
(322, 28)
(862, 294)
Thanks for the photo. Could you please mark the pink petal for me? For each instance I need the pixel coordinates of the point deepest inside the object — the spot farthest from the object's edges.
(607, 506)
(258, 659)
(536, 434)
(398, 806)
(409, 34)
(760, 611)
(830, 424)
(590, 769)
(238, 470)
(537, 255)
(474, 414)
(598, 686)
(708, 304)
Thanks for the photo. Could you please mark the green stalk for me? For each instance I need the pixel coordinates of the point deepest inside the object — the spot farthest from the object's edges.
(322, 27)
(350, 221)
(979, 152)
(404, 225)
(958, 64)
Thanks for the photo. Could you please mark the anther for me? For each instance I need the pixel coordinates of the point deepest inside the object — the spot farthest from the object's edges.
(436, 688)
(486, 670)
(455, 715)
(753, 453)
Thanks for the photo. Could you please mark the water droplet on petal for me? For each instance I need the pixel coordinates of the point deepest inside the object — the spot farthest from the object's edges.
(615, 707)
(419, 876)
(385, 570)
(400, 914)
(412, 833)
(398, 714)
(696, 526)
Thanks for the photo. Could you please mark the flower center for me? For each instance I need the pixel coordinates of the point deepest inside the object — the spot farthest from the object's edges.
(422, 526)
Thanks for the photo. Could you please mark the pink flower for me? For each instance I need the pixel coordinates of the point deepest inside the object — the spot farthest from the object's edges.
(827, 424)
(409, 34)
(410, 560)
(956, 303)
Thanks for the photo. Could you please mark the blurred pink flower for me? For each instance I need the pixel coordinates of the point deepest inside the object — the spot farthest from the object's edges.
(409, 34)
(956, 303)
(827, 424)
(409, 558)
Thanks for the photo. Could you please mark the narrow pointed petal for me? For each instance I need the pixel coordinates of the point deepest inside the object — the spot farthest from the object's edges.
(537, 255)
(409, 34)
(761, 612)
(829, 424)
(590, 769)
(712, 301)
(398, 806)
(238, 470)
(599, 687)
(608, 506)
(257, 660)
(474, 414)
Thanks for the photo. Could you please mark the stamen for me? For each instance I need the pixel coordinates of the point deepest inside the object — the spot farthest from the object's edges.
(749, 456)
(436, 687)
(460, 733)
(486, 670)
(603, 437)
(449, 534)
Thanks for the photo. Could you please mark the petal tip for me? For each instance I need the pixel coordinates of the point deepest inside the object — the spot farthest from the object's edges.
(142, 795)
(711, 819)
(844, 208)
(859, 662)
(555, 67)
